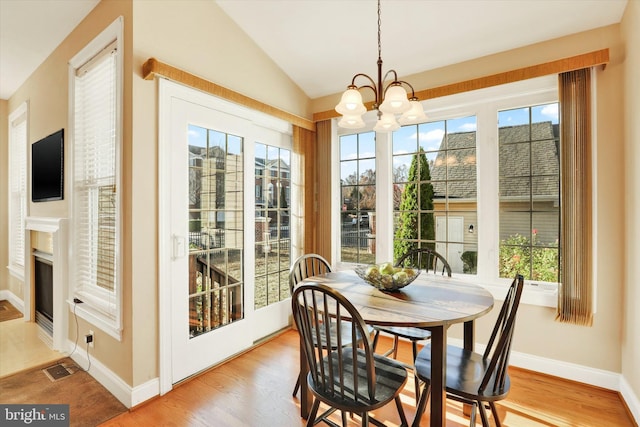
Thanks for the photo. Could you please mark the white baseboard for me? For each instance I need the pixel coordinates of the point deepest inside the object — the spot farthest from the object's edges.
(129, 396)
(145, 391)
(13, 299)
(630, 399)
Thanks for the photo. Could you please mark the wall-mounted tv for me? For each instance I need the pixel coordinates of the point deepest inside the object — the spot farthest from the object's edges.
(47, 168)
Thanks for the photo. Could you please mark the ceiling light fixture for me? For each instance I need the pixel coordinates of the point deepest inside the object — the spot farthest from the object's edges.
(390, 100)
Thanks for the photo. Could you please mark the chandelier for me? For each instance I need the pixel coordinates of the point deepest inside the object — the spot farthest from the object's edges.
(391, 100)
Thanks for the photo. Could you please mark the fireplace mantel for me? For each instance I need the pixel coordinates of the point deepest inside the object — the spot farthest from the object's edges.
(58, 229)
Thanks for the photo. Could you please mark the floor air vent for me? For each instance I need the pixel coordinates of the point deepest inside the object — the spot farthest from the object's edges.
(57, 372)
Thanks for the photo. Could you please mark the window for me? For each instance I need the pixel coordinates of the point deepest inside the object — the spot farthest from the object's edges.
(216, 246)
(529, 191)
(434, 190)
(478, 182)
(96, 99)
(358, 197)
(18, 125)
(273, 239)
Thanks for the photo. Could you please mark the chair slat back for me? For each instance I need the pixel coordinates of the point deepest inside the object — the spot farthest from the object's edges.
(425, 259)
(305, 266)
(498, 348)
(338, 369)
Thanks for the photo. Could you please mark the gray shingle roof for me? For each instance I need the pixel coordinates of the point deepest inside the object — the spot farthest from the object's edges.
(456, 162)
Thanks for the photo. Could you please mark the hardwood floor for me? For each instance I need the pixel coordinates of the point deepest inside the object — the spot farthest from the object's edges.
(255, 389)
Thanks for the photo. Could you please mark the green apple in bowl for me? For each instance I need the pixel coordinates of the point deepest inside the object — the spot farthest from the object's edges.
(400, 277)
(386, 268)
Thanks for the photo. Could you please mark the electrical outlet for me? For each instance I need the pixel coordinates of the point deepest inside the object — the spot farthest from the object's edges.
(89, 338)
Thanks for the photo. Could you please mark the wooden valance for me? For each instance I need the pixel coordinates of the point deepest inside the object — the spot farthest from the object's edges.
(586, 60)
(152, 68)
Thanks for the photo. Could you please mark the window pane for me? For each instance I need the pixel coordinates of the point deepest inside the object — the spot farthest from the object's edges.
(529, 192)
(272, 237)
(358, 192)
(441, 176)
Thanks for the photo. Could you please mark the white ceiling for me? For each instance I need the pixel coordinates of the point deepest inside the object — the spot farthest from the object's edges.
(321, 44)
(29, 31)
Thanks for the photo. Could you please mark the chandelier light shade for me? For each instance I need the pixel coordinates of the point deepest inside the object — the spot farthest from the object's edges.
(351, 103)
(351, 121)
(391, 99)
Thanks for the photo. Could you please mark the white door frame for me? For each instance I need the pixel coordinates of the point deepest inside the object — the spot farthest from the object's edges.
(166, 91)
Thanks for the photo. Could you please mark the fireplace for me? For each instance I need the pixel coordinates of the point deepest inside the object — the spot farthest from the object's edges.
(47, 305)
(43, 290)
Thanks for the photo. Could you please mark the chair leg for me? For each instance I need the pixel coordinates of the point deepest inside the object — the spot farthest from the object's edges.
(414, 346)
(403, 417)
(483, 415)
(422, 404)
(396, 340)
(494, 411)
(314, 411)
(365, 419)
(344, 418)
(297, 387)
(375, 340)
(472, 418)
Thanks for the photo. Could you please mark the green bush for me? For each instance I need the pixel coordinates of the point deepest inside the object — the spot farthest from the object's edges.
(470, 260)
(519, 256)
(416, 222)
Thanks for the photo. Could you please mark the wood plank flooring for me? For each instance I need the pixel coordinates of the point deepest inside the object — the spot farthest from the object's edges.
(255, 389)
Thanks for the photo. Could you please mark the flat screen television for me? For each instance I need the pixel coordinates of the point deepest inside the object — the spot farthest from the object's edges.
(47, 168)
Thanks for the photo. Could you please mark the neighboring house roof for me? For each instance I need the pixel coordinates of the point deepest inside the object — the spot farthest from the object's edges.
(456, 163)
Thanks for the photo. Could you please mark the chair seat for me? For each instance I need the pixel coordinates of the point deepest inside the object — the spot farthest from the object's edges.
(391, 377)
(465, 372)
(414, 334)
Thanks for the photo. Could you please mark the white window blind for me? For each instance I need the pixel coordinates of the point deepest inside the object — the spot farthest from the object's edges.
(96, 182)
(18, 189)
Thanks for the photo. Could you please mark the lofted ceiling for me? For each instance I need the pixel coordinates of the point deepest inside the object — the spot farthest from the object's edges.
(321, 44)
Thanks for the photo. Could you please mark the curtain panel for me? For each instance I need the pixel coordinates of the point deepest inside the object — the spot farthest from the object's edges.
(575, 293)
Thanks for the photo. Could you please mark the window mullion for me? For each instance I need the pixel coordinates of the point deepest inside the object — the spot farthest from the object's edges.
(488, 187)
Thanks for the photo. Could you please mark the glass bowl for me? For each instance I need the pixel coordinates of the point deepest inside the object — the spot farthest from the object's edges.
(385, 277)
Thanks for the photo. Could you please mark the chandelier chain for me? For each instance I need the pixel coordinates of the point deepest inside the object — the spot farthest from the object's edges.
(379, 25)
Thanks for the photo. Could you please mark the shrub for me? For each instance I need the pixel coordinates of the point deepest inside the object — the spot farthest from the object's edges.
(519, 256)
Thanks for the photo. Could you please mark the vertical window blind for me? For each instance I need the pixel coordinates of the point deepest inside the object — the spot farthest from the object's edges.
(95, 185)
(575, 295)
(18, 188)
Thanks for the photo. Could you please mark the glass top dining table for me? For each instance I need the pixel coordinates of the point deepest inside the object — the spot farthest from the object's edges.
(432, 302)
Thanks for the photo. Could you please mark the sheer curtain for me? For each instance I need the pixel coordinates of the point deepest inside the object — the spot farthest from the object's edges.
(575, 294)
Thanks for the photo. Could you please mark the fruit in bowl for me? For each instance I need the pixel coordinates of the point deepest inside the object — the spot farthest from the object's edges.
(386, 277)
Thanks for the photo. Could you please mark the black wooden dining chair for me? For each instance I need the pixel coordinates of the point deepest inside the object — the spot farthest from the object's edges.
(431, 262)
(343, 375)
(473, 378)
(305, 266)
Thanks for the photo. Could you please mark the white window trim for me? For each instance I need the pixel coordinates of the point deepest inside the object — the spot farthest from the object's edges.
(16, 263)
(484, 104)
(114, 32)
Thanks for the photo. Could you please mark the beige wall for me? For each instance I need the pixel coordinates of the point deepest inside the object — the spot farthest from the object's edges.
(4, 194)
(631, 292)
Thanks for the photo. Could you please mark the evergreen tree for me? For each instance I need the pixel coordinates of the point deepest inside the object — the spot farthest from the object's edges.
(417, 197)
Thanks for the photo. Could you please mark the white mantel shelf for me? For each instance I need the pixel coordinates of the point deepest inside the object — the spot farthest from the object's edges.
(44, 224)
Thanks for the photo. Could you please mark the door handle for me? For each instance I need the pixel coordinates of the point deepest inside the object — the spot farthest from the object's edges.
(179, 246)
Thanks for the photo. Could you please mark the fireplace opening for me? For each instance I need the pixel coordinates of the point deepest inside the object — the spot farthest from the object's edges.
(43, 287)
